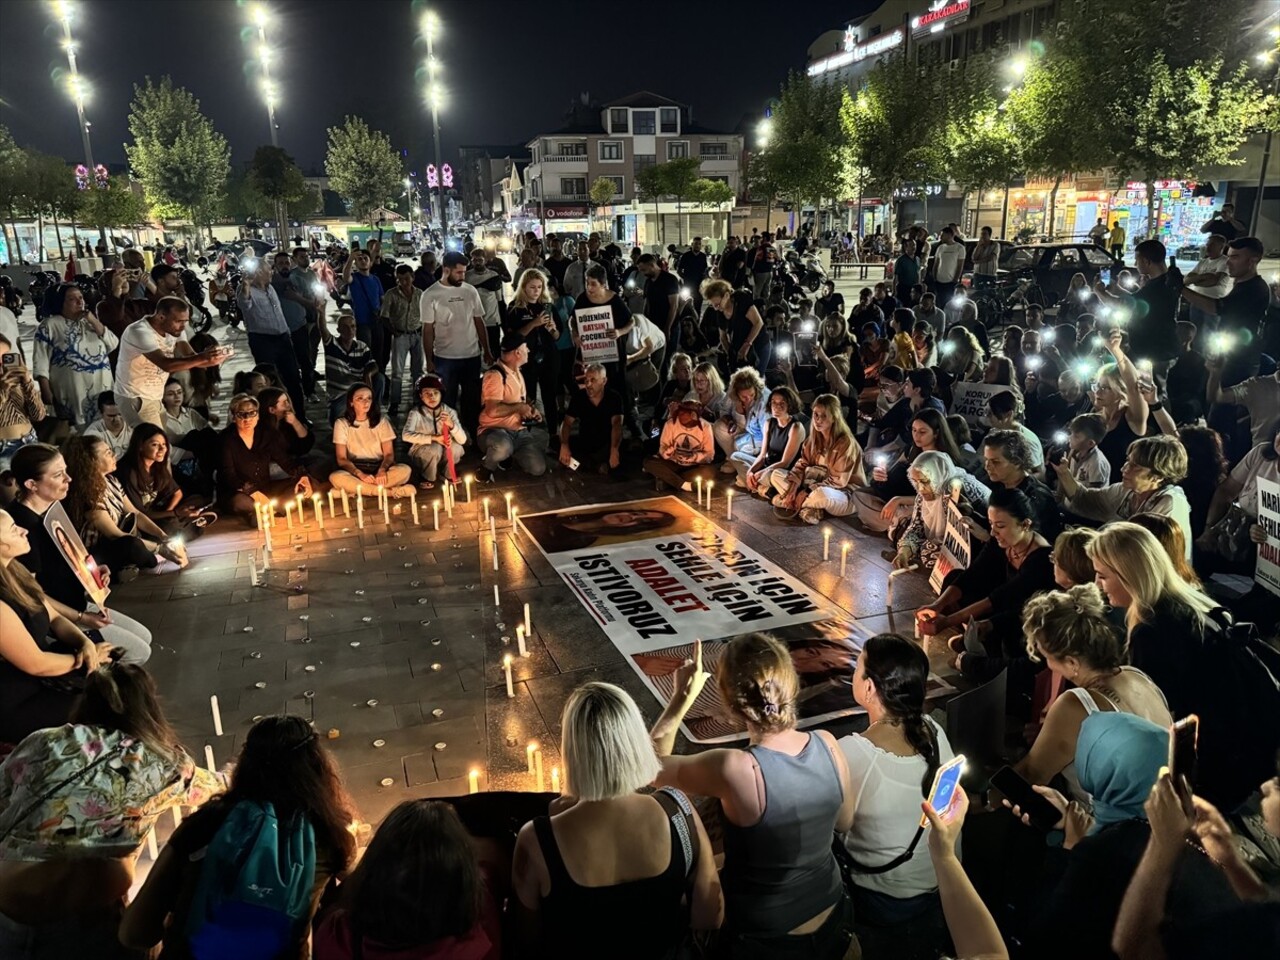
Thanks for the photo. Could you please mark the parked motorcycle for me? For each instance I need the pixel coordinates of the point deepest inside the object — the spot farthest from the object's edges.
(42, 282)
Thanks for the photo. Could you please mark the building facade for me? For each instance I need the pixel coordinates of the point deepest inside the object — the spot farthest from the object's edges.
(480, 175)
(617, 141)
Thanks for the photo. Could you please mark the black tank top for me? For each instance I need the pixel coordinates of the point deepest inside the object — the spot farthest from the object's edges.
(645, 918)
(778, 437)
(1115, 446)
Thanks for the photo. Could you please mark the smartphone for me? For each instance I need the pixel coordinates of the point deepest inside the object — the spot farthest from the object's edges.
(945, 784)
(9, 361)
(1183, 737)
(1044, 815)
(573, 464)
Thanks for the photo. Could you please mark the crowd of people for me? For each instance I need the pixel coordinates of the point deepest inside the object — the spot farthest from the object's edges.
(1108, 481)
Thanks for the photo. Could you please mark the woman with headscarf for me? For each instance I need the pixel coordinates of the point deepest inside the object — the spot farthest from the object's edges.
(937, 480)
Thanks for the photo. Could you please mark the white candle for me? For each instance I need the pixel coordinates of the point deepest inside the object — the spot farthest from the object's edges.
(331, 511)
(177, 815)
(844, 556)
(346, 505)
(537, 764)
(470, 478)
(520, 640)
(508, 498)
(298, 500)
(435, 512)
(315, 503)
(495, 554)
(359, 511)
(257, 512)
(266, 557)
(555, 779)
(826, 543)
(473, 781)
(495, 595)
(253, 570)
(485, 503)
(711, 485)
(528, 623)
(493, 527)
(529, 751)
(386, 507)
(414, 505)
(698, 481)
(728, 505)
(217, 715)
(506, 666)
(893, 575)
(153, 850)
(208, 759)
(288, 515)
(515, 517)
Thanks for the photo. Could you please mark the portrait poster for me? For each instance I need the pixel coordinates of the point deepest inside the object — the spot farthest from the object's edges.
(63, 533)
(1267, 572)
(956, 549)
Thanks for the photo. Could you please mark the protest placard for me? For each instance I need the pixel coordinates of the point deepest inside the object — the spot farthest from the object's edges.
(595, 334)
(969, 400)
(1267, 573)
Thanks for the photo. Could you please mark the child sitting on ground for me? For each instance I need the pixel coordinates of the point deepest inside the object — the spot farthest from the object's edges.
(1089, 465)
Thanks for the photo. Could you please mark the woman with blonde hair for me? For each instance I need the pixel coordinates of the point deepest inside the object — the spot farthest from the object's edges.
(1118, 399)
(708, 392)
(781, 798)
(531, 315)
(960, 355)
(1174, 540)
(587, 873)
(740, 432)
(829, 469)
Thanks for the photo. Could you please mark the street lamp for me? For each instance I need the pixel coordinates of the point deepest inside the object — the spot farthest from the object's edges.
(1266, 57)
(258, 14)
(435, 99)
(77, 87)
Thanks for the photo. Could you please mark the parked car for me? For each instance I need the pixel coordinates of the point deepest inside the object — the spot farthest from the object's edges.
(1051, 266)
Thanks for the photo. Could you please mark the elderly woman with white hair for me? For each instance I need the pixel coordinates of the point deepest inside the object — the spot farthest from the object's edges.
(613, 867)
(937, 480)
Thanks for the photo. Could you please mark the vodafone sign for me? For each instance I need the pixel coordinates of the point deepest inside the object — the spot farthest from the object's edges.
(939, 14)
(566, 211)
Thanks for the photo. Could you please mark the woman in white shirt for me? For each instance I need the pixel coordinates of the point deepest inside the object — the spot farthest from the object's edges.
(363, 443)
(891, 768)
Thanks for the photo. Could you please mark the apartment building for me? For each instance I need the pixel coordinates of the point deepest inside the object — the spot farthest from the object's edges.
(618, 140)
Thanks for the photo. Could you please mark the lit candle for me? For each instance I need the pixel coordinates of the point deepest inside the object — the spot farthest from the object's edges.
(359, 510)
(528, 623)
(253, 570)
(153, 850)
(331, 510)
(435, 512)
(485, 503)
(537, 764)
(217, 715)
(507, 495)
(520, 640)
(395, 511)
(495, 595)
(711, 485)
(288, 515)
(208, 759)
(266, 546)
(515, 516)
(414, 505)
(506, 666)
(470, 478)
(473, 781)
(698, 481)
(346, 505)
(359, 495)
(493, 527)
(266, 557)
(315, 503)
(844, 556)
(728, 505)
(826, 543)
(495, 554)
(257, 512)
(529, 751)
(298, 500)
(386, 507)
(555, 779)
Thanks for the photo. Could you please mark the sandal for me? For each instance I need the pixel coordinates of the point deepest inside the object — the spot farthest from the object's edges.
(427, 485)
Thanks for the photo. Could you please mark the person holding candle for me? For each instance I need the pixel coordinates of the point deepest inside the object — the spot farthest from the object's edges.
(829, 467)
(781, 798)
(283, 763)
(611, 866)
(429, 420)
(937, 480)
(363, 442)
(249, 451)
(779, 446)
(72, 828)
(890, 492)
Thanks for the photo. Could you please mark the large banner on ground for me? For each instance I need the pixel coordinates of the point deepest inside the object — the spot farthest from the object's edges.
(1267, 572)
(656, 575)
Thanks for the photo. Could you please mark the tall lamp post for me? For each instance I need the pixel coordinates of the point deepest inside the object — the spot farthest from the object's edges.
(259, 14)
(1266, 57)
(435, 97)
(79, 91)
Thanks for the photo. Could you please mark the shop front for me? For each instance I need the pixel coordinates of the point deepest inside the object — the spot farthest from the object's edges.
(1178, 214)
(571, 218)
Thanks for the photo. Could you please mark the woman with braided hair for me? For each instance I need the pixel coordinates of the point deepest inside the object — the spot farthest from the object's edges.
(891, 768)
(781, 799)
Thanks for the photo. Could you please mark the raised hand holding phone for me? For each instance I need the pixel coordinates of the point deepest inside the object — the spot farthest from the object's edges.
(946, 784)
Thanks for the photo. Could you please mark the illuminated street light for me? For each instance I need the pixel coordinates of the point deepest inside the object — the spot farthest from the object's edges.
(258, 14)
(435, 100)
(1018, 66)
(77, 86)
(763, 131)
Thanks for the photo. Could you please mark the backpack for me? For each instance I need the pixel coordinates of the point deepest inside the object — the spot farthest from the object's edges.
(254, 889)
(1240, 703)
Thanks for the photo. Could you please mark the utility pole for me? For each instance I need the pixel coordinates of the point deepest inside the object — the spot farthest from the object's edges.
(432, 26)
(78, 91)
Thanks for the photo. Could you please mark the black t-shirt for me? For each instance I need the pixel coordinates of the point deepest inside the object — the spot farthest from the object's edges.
(657, 291)
(1223, 228)
(539, 339)
(1153, 331)
(595, 422)
(1243, 308)
(557, 268)
(733, 266)
(739, 325)
(834, 303)
(693, 267)
(763, 260)
(45, 561)
(423, 278)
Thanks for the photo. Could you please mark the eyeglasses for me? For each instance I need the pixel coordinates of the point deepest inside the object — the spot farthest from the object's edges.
(246, 414)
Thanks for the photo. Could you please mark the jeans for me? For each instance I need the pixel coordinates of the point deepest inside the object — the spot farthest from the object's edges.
(277, 350)
(430, 461)
(907, 928)
(831, 941)
(731, 443)
(137, 411)
(500, 444)
(461, 380)
(402, 345)
(129, 635)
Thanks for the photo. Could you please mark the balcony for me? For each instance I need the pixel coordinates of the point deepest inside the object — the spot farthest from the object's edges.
(565, 198)
(565, 158)
(718, 158)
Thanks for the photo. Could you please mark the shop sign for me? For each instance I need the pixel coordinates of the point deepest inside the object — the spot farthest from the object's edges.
(939, 14)
(567, 211)
(1137, 186)
(855, 52)
(913, 191)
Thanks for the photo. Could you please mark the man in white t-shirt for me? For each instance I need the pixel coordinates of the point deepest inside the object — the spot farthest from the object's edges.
(110, 427)
(454, 338)
(948, 265)
(150, 350)
(1210, 278)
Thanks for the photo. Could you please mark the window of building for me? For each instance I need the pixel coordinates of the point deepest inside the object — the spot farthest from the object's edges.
(723, 178)
(573, 150)
(677, 149)
(670, 118)
(618, 120)
(573, 186)
(610, 149)
(534, 188)
(713, 149)
(643, 161)
(645, 123)
(618, 185)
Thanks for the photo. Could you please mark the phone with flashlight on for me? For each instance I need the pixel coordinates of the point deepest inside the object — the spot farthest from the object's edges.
(945, 784)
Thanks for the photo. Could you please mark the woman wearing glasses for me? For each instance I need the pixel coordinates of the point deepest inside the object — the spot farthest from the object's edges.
(249, 450)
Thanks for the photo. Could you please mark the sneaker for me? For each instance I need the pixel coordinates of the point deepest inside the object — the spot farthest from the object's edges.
(485, 475)
(402, 492)
(727, 468)
(127, 574)
(811, 515)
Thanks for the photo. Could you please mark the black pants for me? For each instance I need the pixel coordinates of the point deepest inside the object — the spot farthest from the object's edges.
(277, 350)
(242, 504)
(306, 363)
(116, 553)
(674, 475)
(543, 370)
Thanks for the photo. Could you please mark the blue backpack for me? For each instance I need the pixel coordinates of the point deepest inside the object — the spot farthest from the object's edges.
(254, 890)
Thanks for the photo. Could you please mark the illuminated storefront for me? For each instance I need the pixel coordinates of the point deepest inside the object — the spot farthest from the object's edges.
(1178, 214)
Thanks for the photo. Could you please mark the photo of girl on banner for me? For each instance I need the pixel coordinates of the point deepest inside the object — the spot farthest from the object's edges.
(561, 531)
(73, 551)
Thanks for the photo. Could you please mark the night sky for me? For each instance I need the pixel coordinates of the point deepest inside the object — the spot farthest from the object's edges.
(511, 68)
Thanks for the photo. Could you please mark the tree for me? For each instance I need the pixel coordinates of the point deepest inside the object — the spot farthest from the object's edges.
(812, 132)
(362, 166)
(278, 180)
(652, 184)
(680, 177)
(51, 191)
(114, 206)
(13, 187)
(177, 155)
(706, 192)
(601, 192)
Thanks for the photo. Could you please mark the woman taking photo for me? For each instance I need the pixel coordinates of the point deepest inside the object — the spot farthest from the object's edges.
(115, 531)
(249, 450)
(829, 468)
(781, 799)
(739, 321)
(78, 802)
(41, 475)
(283, 764)
(961, 356)
(613, 871)
(783, 435)
(891, 490)
(37, 644)
(740, 432)
(937, 480)
(531, 315)
(148, 482)
(363, 442)
(20, 407)
(1117, 397)
(891, 768)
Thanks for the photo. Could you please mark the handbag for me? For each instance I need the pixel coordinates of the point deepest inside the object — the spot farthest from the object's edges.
(642, 376)
(1230, 535)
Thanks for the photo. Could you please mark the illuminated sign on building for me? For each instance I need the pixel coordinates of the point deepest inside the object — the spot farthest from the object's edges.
(855, 52)
(939, 14)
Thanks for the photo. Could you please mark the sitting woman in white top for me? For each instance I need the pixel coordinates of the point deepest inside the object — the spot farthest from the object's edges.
(362, 443)
(431, 425)
(891, 768)
(1148, 484)
(1070, 632)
